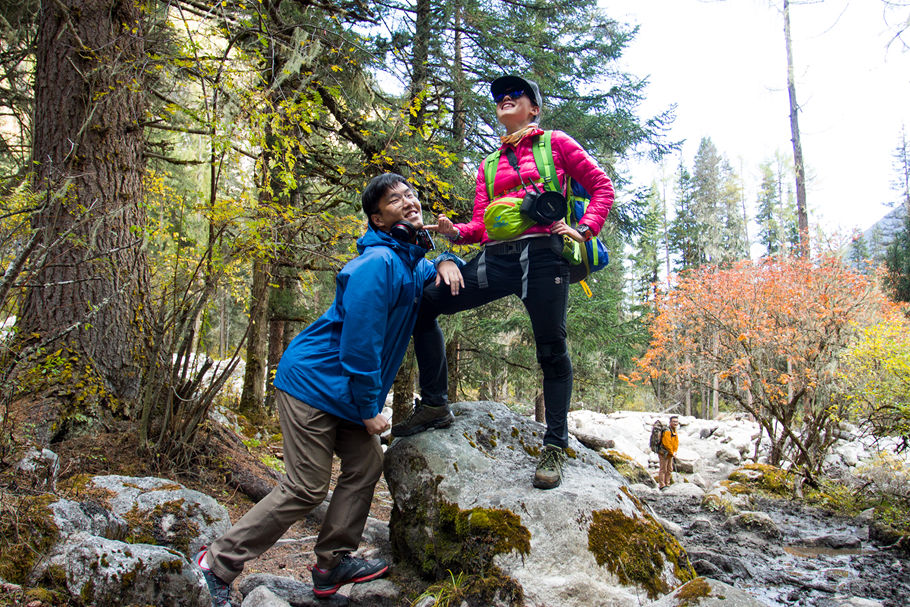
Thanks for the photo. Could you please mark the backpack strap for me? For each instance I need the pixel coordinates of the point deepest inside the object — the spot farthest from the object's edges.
(490, 164)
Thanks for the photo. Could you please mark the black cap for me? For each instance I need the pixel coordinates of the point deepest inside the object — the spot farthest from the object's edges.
(506, 83)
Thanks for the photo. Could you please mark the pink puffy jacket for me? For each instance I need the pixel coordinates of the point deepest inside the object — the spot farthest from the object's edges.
(570, 159)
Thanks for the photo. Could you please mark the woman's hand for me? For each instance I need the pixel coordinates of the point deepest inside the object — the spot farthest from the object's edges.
(447, 272)
(564, 229)
(443, 226)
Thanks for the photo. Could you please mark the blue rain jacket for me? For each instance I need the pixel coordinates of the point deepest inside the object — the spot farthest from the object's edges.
(345, 362)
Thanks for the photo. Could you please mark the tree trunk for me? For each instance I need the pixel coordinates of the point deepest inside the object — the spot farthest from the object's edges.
(252, 400)
(458, 110)
(403, 387)
(798, 164)
(88, 158)
(452, 353)
(539, 409)
(421, 50)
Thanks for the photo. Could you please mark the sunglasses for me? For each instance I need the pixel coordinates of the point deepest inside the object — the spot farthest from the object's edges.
(512, 94)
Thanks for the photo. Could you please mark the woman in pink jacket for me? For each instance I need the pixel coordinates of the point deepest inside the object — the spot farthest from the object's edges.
(528, 265)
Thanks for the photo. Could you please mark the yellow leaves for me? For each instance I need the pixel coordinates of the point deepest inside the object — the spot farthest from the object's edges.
(337, 68)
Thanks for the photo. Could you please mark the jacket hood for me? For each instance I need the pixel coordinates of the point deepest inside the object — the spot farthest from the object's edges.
(410, 253)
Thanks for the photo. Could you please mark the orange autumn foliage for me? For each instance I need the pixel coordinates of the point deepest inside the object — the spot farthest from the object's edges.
(769, 334)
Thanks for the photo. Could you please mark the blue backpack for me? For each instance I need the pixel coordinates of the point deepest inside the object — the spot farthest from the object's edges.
(587, 257)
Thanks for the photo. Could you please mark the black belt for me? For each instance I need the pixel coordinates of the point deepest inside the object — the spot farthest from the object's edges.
(514, 247)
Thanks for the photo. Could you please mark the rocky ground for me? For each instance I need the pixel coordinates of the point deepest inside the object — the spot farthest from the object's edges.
(818, 560)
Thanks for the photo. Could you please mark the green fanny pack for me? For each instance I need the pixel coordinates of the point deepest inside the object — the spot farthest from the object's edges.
(504, 220)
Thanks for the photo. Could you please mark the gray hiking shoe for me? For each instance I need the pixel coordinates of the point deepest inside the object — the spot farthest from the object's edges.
(351, 570)
(424, 417)
(549, 467)
(220, 591)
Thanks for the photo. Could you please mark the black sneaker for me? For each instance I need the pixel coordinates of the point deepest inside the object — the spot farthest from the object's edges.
(351, 570)
(549, 467)
(424, 417)
(220, 591)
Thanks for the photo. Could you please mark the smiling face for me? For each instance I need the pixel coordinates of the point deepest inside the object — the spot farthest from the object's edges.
(517, 112)
(398, 203)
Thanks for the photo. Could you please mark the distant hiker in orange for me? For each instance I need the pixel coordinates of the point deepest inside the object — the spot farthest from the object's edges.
(669, 443)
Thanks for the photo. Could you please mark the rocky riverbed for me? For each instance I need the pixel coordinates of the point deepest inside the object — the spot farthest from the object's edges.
(806, 557)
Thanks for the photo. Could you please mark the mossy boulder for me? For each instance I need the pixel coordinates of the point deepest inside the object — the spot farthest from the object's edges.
(464, 502)
(628, 468)
(764, 479)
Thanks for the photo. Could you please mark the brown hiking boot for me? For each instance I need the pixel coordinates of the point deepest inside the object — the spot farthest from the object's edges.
(424, 417)
(549, 467)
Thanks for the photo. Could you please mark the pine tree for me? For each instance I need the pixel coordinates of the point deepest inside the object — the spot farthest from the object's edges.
(767, 216)
(646, 259)
(685, 229)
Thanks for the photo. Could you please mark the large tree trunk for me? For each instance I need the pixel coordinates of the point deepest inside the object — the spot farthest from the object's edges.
(798, 164)
(88, 157)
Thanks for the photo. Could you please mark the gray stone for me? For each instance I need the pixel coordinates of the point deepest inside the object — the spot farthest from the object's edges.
(289, 589)
(755, 522)
(88, 517)
(41, 467)
(378, 593)
(261, 596)
(108, 572)
(729, 455)
(172, 514)
(486, 460)
(832, 541)
(684, 490)
(709, 593)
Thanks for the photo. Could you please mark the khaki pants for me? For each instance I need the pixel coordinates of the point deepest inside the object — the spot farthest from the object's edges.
(665, 474)
(311, 437)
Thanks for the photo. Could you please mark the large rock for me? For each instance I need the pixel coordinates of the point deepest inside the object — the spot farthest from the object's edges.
(162, 512)
(705, 592)
(126, 541)
(107, 572)
(463, 501)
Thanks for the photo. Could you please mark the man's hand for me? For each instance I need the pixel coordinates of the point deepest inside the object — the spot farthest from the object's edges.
(443, 226)
(447, 272)
(377, 425)
(563, 229)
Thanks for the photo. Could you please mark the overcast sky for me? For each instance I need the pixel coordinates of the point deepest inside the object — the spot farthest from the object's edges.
(724, 64)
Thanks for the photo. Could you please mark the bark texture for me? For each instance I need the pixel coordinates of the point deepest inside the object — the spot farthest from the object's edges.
(88, 154)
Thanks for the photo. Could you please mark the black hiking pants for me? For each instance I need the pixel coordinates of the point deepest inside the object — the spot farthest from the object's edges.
(532, 269)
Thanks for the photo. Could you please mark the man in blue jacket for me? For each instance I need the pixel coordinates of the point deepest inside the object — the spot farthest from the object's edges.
(332, 384)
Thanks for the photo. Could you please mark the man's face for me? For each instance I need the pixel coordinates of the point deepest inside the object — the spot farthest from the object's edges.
(673, 424)
(398, 203)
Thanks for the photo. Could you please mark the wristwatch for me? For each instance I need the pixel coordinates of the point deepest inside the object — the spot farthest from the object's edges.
(585, 231)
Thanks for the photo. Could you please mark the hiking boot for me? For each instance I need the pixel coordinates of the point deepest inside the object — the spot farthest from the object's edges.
(351, 570)
(424, 417)
(549, 467)
(220, 591)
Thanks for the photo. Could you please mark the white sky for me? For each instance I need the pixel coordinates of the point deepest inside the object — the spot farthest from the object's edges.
(724, 64)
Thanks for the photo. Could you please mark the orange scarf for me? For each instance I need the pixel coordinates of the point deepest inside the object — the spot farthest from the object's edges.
(513, 138)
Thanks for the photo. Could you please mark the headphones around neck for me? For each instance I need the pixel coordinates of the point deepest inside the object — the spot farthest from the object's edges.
(404, 231)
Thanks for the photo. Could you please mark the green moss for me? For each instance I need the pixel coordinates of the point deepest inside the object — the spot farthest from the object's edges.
(635, 549)
(736, 488)
(691, 593)
(147, 528)
(460, 540)
(763, 478)
(627, 467)
(27, 533)
(718, 503)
